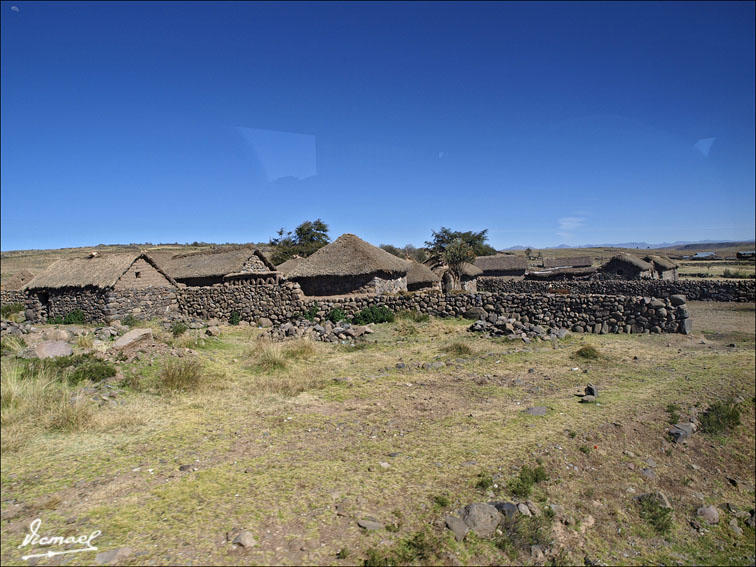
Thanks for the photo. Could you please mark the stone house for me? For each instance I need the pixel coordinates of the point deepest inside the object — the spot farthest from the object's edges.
(104, 287)
(350, 265)
(664, 268)
(568, 262)
(18, 280)
(468, 277)
(503, 266)
(562, 274)
(230, 266)
(629, 267)
(420, 277)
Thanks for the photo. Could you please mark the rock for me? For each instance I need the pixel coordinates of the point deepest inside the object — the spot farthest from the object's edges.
(244, 539)
(481, 518)
(533, 508)
(587, 399)
(113, 556)
(735, 527)
(656, 497)
(677, 299)
(457, 526)
(133, 337)
(709, 514)
(536, 553)
(57, 335)
(681, 431)
(213, 331)
(591, 390)
(686, 326)
(370, 524)
(506, 509)
(264, 322)
(52, 349)
(648, 473)
(537, 410)
(523, 509)
(475, 314)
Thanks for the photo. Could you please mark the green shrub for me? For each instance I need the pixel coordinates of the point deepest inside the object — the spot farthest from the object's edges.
(75, 317)
(655, 513)
(178, 328)
(55, 320)
(588, 353)
(130, 320)
(374, 314)
(522, 485)
(336, 315)
(95, 370)
(441, 501)
(10, 309)
(720, 417)
(484, 481)
(674, 416)
(235, 318)
(412, 315)
(312, 312)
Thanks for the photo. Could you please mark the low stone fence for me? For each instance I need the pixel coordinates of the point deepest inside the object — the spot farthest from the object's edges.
(12, 296)
(146, 303)
(740, 291)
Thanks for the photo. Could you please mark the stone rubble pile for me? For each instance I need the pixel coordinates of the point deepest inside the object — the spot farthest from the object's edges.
(327, 332)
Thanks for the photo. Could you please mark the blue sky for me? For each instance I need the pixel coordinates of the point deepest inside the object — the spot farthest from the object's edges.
(545, 123)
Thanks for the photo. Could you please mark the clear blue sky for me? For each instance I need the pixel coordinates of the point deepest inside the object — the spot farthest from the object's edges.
(545, 123)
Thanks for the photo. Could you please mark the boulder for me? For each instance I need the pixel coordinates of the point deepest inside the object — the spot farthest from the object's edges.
(481, 518)
(709, 514)
(475, 314)
(51, 349)
(681, 431)
(678, 299)
(264, 322)
(133, 337)
(457, 526)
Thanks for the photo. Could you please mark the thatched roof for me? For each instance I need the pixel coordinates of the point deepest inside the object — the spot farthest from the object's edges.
(662, 261)
(289, 265)
(215, 263)
(555, 272)
(501, 262)
(420, 273)
(93, 271)
(18, 280)
(348, 255)
(439, 267)
(568, 262)
(634, 260)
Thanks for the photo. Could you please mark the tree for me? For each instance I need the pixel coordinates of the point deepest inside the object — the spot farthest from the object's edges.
(306, 239)
(446, 236)
(456, 254)
(392, 250)
(528, 252)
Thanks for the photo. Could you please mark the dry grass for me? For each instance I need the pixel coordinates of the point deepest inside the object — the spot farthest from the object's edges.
(85, 341)
(180, 375)
(458, 349)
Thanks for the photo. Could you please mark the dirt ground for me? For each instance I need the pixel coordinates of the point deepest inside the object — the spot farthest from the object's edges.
(298, 454)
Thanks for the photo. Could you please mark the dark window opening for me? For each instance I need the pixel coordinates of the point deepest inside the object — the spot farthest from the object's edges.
(138, 274)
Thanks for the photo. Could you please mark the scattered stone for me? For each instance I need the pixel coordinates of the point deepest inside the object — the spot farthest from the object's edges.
(657, 497)
(681, 431)
(708, 513)
(457, 526)
(133, 337)
(735, 527)
(523, 509)
(648, 473)
(591, 390)
(587, 399)
(52, 349)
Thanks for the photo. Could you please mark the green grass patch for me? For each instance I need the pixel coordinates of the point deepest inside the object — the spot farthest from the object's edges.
(651, 509)
(11, 309)
(458, 349)
(720, 417)
(587, 353)
(522, 484)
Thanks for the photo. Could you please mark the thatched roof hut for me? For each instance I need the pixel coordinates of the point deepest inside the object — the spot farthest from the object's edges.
(420, 276)
(348, 265)
(628, 266)
(289, 265)
(18, 280)
(562, 273)
(664, 267)
(507, 265)
(212, 267)
(568, 262)
(109, 271)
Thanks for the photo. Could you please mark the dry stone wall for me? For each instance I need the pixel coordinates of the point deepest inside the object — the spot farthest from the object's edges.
(90, 301)
(148, 303)
(741, 291)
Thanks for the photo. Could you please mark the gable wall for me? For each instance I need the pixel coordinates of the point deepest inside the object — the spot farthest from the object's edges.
(149, 277)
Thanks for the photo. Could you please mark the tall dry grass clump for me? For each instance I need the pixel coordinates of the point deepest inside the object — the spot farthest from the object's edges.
(180, 375)
(279, 368)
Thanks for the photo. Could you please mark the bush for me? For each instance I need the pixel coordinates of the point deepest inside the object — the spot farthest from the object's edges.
(178, 329)
(412, 315)
(96, 371)
(270, 356)
(55, 320)
(674, 416)
(312, 312)
(180, 375)
(235, 318)
(12, 344)
(588, 353)
(655, 513)
(458, 349)
(75, 317)
(336, 315)
(523, 484)
(484, 481)
(10, 309)
(130, 320)
(720, 417)
(374, 314)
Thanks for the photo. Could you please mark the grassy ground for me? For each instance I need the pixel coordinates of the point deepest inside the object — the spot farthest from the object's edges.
(287, 441)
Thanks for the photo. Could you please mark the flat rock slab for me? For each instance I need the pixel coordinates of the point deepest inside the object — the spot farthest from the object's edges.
(482, 519)
(132, 337)
(709, 514)
(457, 526)
(681, 431)
(51, 349)
(537, 410)
(370, 525)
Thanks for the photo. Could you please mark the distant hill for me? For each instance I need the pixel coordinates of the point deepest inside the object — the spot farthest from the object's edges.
(679, 245)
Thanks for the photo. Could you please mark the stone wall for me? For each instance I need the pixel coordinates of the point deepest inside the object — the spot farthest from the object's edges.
(743, 291)
(8, 296)
(140, 275)
(60, 302)
(148, 303)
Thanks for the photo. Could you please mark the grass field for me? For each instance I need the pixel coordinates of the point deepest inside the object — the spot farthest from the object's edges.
(288, 442)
